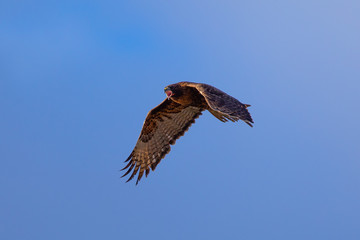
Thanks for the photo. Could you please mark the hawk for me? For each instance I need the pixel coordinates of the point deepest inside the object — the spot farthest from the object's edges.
(169, 121)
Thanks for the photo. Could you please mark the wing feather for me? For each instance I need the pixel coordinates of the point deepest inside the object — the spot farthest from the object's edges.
(223, 106)
(162, 127)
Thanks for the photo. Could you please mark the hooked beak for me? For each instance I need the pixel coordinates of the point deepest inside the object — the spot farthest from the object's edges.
(169, 93)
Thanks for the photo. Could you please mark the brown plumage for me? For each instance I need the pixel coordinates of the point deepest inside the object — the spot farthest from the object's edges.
(169, 121)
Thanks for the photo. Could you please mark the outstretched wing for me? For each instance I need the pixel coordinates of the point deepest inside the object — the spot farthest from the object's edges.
(162, 127)
(223, 106)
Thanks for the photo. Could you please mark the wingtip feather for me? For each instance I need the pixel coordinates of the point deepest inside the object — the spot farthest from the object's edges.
(249, 124)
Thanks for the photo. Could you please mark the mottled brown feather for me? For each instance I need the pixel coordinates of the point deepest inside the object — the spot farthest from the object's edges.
(162, 127)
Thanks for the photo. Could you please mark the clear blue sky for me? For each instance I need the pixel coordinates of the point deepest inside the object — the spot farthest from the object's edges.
(77, 80)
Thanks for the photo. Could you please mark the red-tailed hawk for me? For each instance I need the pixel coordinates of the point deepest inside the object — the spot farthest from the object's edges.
(172, 118)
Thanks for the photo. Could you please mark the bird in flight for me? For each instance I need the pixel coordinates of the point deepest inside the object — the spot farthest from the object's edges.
(164, 124)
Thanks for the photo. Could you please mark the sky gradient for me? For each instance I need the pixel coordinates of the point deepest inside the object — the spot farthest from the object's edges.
(77, 80)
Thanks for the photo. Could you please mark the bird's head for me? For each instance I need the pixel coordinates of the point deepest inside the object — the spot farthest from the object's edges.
(169, 92)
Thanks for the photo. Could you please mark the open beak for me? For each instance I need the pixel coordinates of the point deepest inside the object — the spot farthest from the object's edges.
(168, 94)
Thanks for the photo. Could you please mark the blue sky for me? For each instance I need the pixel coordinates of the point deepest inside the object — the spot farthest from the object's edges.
(77, 80)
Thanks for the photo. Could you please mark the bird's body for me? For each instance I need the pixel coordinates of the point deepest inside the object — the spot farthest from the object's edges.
(187, 96)
(168, 121)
